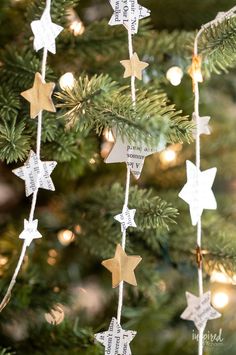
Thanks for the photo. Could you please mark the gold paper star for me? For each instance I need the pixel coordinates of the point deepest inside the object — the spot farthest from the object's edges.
(122, 267)
(39, 96)
(134, 67)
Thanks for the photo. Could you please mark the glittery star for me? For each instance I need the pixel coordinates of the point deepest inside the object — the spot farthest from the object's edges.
(116, 340)
(36, 174)
(199, 310)
(122, 267)
(125, 9)
(39, 96)
(126, 219)
(45, 32)
(134, 67)
(30, 232)
(203, 125)
(197, 191)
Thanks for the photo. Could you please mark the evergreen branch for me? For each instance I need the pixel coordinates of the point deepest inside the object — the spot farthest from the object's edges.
(98, 103)
(217, 45)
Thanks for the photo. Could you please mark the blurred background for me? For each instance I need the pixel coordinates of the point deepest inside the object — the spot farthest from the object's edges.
(63, 295)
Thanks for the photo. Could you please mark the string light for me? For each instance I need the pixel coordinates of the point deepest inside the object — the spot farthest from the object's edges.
(220, 299)
(108, 135)
(168, 155)
(76, 25)
(221, 277)
(67, 81)
(174, 75)
(66, 237)
(56, 315)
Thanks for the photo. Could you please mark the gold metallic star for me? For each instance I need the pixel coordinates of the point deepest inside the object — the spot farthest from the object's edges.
(134, 67)
(122, 267)
(39, 96)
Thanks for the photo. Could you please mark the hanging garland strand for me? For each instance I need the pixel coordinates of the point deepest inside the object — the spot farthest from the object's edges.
(35, 172)
(198, 194)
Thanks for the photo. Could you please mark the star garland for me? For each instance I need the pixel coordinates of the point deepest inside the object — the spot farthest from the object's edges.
(198, 193)
(35, 172)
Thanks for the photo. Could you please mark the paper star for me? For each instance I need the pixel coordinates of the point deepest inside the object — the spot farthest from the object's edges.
(203, 125)
(122, 267)
(30, 232)
(132, 155)
(199, 310)
(121, 14)
(134, 67)
(197, 191)
(126, 219)
(45, 32)
(39, 96)
(36, 174)
(116, 340)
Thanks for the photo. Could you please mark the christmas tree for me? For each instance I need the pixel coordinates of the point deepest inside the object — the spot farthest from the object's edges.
(63, 295)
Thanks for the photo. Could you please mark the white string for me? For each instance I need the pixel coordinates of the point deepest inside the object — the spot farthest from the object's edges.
(7, 296)
(127, 188)
(219, 19)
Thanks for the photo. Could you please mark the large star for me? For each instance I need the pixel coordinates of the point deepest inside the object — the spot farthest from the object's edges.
(116, 340)
(126, 218)
(121, 14)
(197, 191)
(36, 174)
(203, 125)
(199, 310)
(45, 32)
(132, 155)
(122, 267)
(134, 67)
(30, 232)
(39, 96)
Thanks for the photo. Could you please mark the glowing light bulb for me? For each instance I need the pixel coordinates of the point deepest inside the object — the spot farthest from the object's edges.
(67, 81)
(66, 237)
(220, 299)
(108, 135)
(56, 315)
(168, 155)
(174, 75)
(220, 277)
(77, 27)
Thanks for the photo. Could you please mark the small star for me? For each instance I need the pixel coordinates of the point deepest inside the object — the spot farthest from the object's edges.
(203, 125)
(116, 340)
(122, 267)
(30, 232)
(126, 219)
(45, 32)
(197, 191)
(199, 310)
(133, 155)
(36, 174)
(39, 96)
(122, 10)
(134, 67)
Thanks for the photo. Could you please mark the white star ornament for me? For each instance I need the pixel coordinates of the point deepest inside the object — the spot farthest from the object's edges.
(36, 174)
(199, 310)
(45, 32)
(197, 192)
(122, 9)
(30, 232)
(116, 340)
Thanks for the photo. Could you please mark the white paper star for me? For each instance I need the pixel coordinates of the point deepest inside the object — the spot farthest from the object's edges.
(199, 310)
(126, 219)
(203, 125)
(116, 340)
(121, 14)
(30, 232)
(132, 155)
(197, 191)
(45, 32)
(36, 174)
